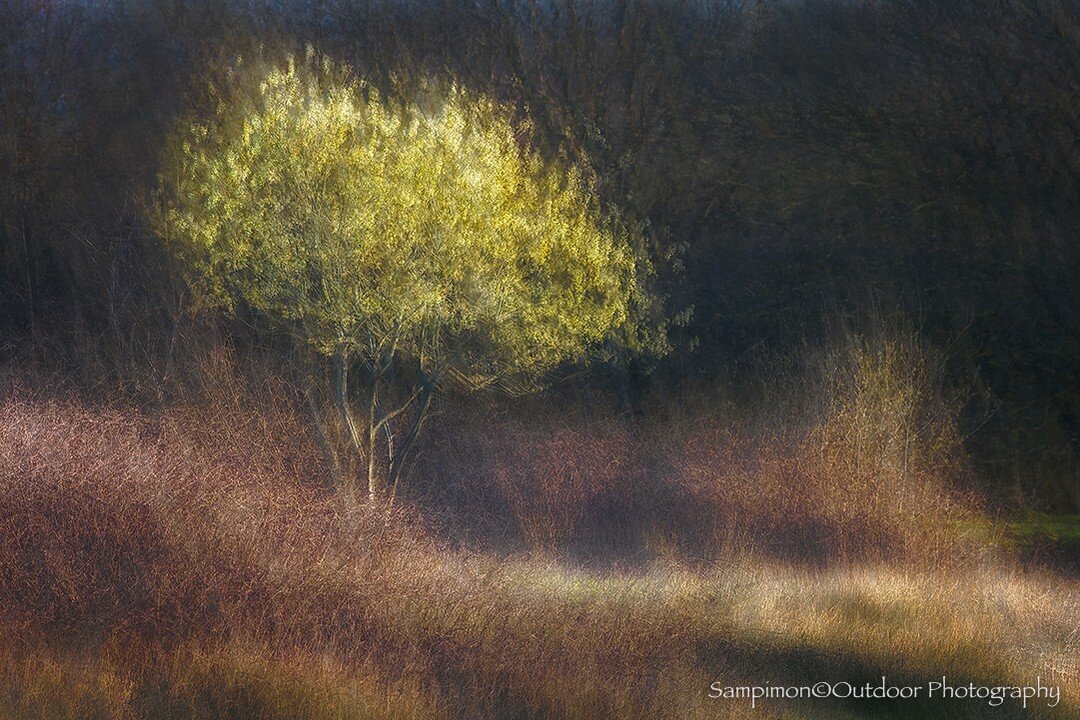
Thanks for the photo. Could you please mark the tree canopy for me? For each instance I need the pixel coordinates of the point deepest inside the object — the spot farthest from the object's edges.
(424, 227)
(422, 231)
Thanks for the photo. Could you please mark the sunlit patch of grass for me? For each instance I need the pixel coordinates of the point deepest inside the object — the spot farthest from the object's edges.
(987, 626)
(237, 679)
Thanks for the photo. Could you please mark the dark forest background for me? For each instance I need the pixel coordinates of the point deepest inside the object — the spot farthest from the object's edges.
(800, 168)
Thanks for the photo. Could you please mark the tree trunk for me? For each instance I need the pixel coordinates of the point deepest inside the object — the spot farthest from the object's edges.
(409, 441)
(376, 480)
(341, 399)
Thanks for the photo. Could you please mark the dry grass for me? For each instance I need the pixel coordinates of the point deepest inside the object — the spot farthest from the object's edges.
(878, 474)
(193, 564)
(694, 491)
(233, 679)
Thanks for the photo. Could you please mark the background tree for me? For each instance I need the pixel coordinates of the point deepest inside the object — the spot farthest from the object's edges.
(418, 240)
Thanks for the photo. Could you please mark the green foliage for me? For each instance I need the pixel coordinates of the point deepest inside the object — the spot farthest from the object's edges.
(373, 228)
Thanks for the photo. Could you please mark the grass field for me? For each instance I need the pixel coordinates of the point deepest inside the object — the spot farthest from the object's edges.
(157, 567)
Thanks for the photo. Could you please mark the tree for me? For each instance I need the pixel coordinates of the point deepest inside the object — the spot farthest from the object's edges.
(418, 240)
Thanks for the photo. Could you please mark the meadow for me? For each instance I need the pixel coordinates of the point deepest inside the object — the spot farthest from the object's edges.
(539, 360)
(195, 562)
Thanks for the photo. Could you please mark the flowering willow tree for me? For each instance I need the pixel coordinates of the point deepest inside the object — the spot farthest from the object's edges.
(406, 242)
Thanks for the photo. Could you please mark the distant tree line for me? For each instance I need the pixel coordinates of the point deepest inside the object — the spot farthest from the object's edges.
(786, 163)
